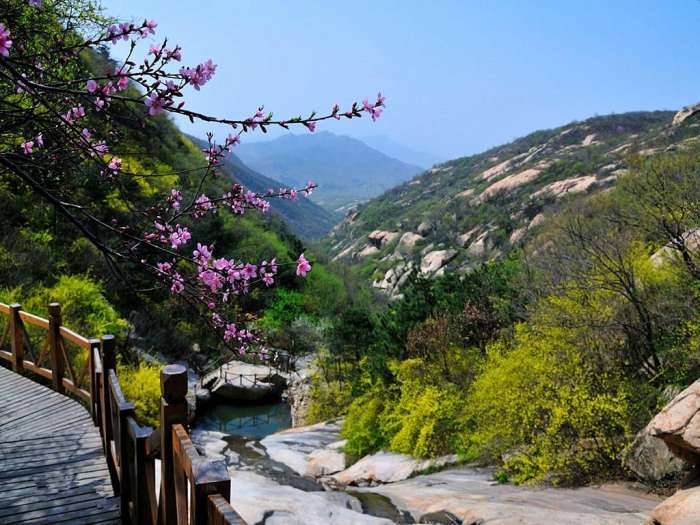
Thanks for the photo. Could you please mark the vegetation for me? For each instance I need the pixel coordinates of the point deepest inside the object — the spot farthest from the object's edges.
(546, 362)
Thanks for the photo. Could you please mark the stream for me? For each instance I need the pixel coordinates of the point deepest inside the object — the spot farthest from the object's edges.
(244, 427)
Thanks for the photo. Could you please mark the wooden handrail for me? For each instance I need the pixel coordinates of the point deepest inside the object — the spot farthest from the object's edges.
(130, 449)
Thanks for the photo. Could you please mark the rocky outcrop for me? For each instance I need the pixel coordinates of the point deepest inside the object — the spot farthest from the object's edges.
(298, 399)
(380, 238)
(683, 508)
(473, 497)
(678, 424)
(685, 113)
(395, 278)
(652, 462)
(434, 261)
(314, 450)
(409, 240)
(386, 467)
(262, 501)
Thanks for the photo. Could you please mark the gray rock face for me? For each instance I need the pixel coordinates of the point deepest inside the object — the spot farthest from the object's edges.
(386, 467)
(685, 113)
(434, 261)
(260, 500)
(298, 398)
(314, 450)
(678, 424)
(651, 461)
(472, 496)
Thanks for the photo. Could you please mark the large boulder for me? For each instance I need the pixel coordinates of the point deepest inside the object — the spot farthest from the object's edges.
(678, 424)
(685, 113)
(386, 467)
(260, 500)
(314, 450)
(651, 461)
(683, 508)
(434, 261)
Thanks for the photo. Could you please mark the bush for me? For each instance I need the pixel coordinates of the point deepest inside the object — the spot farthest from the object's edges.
(540, 409)
(141, 386)
(363, 427)
(327, 400)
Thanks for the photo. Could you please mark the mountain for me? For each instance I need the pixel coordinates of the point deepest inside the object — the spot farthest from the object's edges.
(347, 170)
(304, 217)
(476, 208)
(391, 148)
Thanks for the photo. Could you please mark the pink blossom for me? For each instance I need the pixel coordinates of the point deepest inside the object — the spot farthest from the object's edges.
(230, 332)
(115, 164)
(212, 279)
(311, 126)
(91, 86)
(40, 140)
(267, 279)
(303, 266)
(175, 198)
(202, 254)
(27, 147)
(178, 285)
(99, 104)
(5, 42)
(200, 75)
(165, 267)
(179, 237)
(249, 271)
(154, 103)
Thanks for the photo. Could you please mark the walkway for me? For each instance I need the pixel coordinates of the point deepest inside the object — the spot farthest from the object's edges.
(52, 467)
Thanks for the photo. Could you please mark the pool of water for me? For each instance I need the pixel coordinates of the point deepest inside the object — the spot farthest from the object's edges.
(250, 422)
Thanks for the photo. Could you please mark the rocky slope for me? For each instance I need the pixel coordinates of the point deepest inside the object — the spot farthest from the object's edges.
(472, 209)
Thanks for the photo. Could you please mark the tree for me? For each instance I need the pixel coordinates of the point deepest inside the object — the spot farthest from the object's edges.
(63, 108)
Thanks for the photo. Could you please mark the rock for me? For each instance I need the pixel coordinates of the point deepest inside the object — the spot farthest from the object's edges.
(243, 390)
(310, 451)
(517, 235)
(386, 467)
(463, 240)
(510, 183)
(678, 424)
(471, 495)
(480, 246)
(683, 508)
(202, 397)
(536, 221)
(434, 261)
(409, 240)
(441, 517)
(424, 228)
(651, 461)
(210, 442)
(298, 398)
(260, 500)
(560, 188)
(380, 238)
(368, 250)
(685, 113)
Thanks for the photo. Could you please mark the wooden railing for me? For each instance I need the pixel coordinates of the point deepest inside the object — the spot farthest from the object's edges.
(193, 489)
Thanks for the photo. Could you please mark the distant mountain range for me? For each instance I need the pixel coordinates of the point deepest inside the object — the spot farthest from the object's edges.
(473, 209)
(347, 170)
(304, 217)
(391, 148)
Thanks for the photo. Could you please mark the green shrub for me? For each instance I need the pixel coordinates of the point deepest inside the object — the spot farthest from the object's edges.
(363, 424)
(540, 408)
(327, 400)
(141, 386)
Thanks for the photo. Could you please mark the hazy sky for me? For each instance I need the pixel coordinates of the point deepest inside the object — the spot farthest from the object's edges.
(459, 76)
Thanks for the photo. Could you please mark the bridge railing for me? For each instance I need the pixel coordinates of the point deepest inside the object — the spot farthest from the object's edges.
(193, 490)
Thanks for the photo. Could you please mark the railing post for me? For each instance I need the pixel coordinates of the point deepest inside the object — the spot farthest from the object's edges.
(57, 362)
(16, 339)
(108, 363)
(94, 394)
(173, 411)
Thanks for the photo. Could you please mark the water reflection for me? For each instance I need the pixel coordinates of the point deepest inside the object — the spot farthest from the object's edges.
(252, 422)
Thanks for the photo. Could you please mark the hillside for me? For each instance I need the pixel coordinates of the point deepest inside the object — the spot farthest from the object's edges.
(476, 208)
(347, 170)
(303, 217)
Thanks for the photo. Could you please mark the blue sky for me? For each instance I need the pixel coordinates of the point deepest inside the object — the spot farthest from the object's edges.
(459, 76)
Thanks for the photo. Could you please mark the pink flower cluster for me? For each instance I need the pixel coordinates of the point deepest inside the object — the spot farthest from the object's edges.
(199, 75)
(5, 42)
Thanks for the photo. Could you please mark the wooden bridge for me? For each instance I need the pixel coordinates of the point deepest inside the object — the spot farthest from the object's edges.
(74, 453)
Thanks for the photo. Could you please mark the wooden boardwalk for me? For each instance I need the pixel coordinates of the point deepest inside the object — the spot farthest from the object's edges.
(52, 466)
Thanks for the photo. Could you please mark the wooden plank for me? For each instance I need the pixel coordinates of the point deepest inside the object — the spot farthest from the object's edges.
(52, 466)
